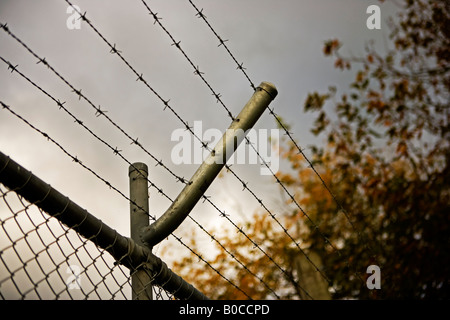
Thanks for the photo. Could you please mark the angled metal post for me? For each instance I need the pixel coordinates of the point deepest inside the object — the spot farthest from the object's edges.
(210, 168)
(138, 173)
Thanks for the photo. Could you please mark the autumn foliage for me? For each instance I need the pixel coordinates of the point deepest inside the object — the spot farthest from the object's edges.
(385, 162)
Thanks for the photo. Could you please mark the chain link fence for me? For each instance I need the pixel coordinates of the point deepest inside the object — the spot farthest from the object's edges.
(42, 258)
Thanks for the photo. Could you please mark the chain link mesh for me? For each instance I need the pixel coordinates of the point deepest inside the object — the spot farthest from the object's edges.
(42, 259)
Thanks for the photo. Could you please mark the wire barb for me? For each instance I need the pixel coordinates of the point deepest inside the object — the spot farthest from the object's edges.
(78, 92)
(176, 44)
(42, 61)
(83, 17)
(12, 67)
(99, 112)
(140, 78)
(114, 50)
(4, 27)
(198, 72)
(200, 14)
(155, 16)
(222, 42)
(241, 66)
(166, 104)
(217, 95)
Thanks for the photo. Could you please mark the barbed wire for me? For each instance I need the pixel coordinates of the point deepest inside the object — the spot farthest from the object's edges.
(201, 15)
(114, 50)
(200, 257)
(240, 67)
(196, 67)
(98, 111)
(245, 185)
(257, 246)
(116, 151)
(217, 96)
(230, 253)
(14, 68)
(75, 159)
(140, 76)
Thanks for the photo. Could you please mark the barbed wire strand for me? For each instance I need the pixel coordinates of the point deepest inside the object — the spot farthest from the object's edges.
(61, 106)
(194, 66)
(222, 43)
(74, 158)
(98, 111)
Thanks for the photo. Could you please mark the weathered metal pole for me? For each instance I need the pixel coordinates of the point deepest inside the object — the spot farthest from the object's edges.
(210, 168)
(138, 172)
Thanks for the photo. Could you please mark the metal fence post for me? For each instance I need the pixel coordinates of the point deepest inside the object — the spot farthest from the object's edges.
(138, 173)
(210, 168)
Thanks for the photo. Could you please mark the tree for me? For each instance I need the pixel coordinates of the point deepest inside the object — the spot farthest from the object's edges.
(377, 193)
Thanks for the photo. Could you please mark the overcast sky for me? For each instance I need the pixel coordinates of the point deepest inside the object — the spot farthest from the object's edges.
(278, 41)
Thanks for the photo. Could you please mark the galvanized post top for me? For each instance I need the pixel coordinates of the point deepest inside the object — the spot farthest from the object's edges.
(269, 88)
(140, 166)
